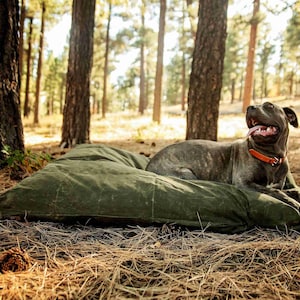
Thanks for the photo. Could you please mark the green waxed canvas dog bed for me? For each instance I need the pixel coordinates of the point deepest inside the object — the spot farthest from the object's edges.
(104, 184)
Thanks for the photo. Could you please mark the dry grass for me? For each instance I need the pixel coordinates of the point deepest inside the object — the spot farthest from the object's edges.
(82, 262)
(131, 126)
(5, 180)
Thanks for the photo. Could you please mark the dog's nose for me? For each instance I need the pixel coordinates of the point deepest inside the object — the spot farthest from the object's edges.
(268, 105)
(251, 107)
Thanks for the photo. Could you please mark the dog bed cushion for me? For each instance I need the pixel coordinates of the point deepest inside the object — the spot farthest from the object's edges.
(100, 184)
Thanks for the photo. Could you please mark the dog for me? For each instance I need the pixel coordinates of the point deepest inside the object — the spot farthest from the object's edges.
(258, 162)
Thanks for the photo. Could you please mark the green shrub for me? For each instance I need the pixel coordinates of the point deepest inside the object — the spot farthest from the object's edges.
(22, 164)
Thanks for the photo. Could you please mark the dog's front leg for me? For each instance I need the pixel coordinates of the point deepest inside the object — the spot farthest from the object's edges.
(293, 193)
(291, 188)
(275, 191)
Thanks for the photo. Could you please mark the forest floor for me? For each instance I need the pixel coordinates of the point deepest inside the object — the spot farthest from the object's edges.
(154, 262)
(136, 133)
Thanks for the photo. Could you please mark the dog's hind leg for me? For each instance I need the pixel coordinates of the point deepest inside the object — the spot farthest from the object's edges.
(185, 173)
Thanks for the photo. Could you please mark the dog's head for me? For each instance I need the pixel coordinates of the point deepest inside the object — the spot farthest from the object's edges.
(268, 123)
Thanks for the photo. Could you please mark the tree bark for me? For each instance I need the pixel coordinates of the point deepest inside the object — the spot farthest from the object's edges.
(207, 69)
(250, 60)
(26, 108)
(232, 90)
(105, 75)
(11, 129)
(39, 67)
(142, 98)
(159, 63)
(76, 117)
(21, 39)
(183, 89)
(183, 65)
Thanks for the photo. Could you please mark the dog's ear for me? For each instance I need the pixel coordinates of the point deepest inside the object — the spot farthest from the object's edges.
(292, 117)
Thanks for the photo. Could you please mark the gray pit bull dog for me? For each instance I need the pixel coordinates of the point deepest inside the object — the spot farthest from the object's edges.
(258, 163)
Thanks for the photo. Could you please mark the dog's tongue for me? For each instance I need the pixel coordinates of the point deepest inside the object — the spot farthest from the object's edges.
(262, 130)
(253, 129)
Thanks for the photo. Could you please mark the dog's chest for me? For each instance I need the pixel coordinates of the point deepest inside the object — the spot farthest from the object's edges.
(265, 174)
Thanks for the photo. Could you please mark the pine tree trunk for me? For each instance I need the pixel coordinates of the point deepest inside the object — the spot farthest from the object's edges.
(26, 108)
(105, 75)
(183, 89)
(61, 94)
(39, 68)
(183, 59)
(142, 98)
(21, 40)
(11, 129)
(76, 117)
(232, 90)
(250, 60)
(159, 63)
(207, 69)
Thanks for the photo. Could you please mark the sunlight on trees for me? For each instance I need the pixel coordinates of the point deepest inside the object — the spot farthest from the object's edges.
(124, 63)
(159, 62)
(251, 55)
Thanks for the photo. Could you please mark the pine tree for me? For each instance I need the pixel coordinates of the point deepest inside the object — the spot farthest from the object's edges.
(207, 70)
(11, 129)
(76, 116)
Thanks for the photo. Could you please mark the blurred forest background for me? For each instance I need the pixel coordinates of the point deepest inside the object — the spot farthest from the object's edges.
(129, 30)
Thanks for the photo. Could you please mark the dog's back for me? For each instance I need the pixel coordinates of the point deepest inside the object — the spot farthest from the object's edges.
(195, 159)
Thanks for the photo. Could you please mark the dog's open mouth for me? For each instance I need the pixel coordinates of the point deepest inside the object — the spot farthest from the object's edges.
(260, 129)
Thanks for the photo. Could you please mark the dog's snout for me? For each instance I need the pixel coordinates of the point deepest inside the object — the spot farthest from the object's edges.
(266, 105)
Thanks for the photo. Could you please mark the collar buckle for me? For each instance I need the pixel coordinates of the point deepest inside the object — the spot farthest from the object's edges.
(276, 161)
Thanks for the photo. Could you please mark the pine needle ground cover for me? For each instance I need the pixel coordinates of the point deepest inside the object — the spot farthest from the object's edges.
(165, 262)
